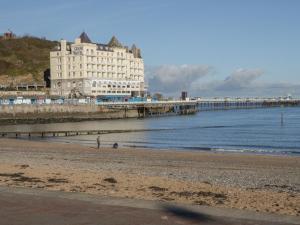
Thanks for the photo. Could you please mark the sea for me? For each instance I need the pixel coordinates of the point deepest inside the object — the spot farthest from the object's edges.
(261, 130)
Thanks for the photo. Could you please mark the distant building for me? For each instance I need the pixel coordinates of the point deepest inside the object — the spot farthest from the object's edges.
(8, 35)
(184, 95)
(96, 69)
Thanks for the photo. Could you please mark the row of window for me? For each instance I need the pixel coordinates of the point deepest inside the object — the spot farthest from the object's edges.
(79, 84)
(124, 92)
(105, 53)
(94, 85)
(113, 68)
(103, 75)
(99, 66)
(104, 67)
(112, 60)
(115, 75)
(100, 59)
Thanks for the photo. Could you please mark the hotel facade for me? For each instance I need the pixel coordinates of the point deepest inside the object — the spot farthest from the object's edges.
(84, 68)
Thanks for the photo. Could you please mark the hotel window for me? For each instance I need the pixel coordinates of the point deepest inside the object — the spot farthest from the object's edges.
(73, 58)
(94, 84)
(73, 74)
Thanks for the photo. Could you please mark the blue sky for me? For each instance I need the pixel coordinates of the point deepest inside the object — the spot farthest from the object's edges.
(211, 47)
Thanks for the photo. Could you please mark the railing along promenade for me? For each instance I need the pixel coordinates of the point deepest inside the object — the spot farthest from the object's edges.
(244, 103)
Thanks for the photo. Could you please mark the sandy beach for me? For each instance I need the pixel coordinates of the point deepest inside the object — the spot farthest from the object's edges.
(261, 183)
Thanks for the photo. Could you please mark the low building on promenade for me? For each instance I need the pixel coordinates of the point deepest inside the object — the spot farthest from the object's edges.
(90, 69)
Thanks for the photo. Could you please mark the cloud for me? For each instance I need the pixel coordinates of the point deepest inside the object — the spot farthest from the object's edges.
(240, 79)
(244, 82)
(171, 79)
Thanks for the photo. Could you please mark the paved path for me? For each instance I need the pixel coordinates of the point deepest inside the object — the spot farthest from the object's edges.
(20, 206)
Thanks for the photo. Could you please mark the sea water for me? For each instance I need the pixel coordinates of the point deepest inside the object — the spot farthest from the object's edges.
(244, 130)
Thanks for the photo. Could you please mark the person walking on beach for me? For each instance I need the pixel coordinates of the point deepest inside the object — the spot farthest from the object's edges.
(98, 142)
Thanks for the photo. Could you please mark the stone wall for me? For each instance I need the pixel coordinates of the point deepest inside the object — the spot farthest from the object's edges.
(10, 114)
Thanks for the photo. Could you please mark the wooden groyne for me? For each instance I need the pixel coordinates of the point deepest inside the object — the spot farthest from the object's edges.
(65, 133)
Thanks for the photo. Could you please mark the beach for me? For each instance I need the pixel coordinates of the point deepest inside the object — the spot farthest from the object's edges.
(262, 183)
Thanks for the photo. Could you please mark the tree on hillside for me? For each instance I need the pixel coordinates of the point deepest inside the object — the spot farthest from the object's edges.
(157, 96)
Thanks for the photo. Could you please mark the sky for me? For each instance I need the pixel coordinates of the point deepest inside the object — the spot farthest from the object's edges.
(206, 47)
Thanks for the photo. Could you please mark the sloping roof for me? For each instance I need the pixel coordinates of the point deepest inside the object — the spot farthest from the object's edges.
(114, 43)
(84, 38)
(133, 46)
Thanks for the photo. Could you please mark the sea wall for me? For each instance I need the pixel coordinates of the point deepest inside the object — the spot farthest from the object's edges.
(11, 114)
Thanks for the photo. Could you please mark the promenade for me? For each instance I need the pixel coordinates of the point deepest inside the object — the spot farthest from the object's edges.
(22, 206)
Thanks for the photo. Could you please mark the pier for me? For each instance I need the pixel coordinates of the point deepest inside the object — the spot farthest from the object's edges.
(156, 108)
(244, 103)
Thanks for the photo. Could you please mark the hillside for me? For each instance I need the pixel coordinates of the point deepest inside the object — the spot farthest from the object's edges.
(24, 59)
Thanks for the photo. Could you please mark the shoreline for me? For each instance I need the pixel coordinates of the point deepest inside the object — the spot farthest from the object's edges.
(260, 183)
(183, 149)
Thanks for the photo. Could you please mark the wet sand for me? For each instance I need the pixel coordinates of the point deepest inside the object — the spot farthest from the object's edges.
(252, 182)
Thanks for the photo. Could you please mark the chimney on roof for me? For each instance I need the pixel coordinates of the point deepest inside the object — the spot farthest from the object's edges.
(136, 51)
(63, 45)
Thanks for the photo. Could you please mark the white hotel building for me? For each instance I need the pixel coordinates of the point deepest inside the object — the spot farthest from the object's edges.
(91, 69)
